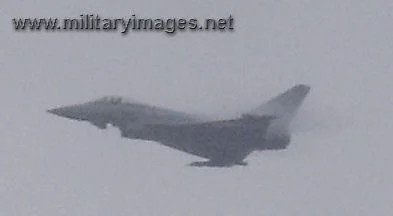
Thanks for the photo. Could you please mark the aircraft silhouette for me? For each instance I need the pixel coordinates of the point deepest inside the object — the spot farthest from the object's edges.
(223, 142)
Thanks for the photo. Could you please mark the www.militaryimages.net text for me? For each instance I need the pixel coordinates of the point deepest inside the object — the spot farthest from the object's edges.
(94, 22)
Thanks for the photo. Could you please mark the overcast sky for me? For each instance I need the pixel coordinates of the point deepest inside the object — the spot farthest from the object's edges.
(338, 163)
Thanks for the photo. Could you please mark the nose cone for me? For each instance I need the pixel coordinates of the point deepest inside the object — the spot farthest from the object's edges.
(72, 112)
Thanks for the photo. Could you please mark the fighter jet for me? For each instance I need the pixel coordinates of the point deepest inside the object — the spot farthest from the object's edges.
(224, 143)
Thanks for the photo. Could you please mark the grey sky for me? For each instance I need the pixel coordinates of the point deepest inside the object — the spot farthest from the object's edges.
(337, 164)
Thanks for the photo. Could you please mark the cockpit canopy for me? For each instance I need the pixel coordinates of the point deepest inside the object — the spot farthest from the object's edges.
(114, 100)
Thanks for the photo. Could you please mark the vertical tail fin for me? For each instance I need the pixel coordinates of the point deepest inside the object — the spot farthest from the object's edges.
(284, 107)
(285, 104)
